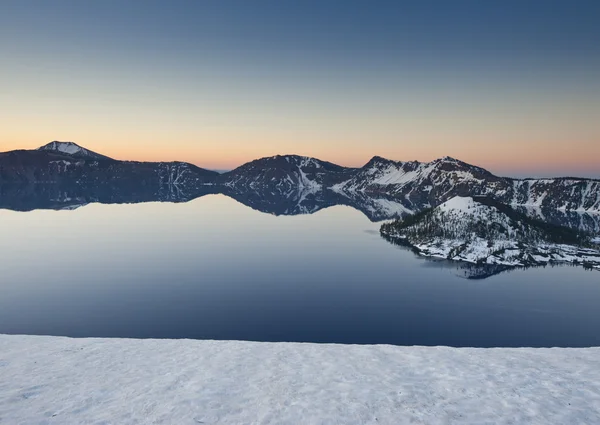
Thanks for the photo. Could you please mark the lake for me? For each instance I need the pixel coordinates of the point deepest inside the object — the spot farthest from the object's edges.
(213, 268)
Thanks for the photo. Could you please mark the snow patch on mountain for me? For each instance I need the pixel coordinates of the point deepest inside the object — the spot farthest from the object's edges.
(462, 205)
(283, 174)
(566, 194)
(64, 147)
(72, 149)
(394, 175)
(390, 208)
(410, 179)
(432, 183)
(484, 231)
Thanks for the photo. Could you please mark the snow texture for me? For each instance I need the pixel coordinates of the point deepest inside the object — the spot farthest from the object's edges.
(64, 147)
(55, 380)
(71, 148)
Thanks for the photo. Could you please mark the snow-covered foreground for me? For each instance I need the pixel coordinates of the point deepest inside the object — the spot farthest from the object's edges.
(52, 380)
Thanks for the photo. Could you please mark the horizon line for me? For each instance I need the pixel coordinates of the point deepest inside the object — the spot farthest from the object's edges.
(223, 170)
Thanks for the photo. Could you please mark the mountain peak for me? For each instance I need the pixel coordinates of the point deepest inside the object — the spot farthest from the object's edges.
(70, 148)
(447, 160)
(64, 147)
(380, 160)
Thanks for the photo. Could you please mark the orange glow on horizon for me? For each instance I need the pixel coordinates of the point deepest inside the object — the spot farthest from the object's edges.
(505, 159)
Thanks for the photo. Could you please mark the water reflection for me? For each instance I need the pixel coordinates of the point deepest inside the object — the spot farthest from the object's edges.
(376, 207)
(292, 202)
(213, 268)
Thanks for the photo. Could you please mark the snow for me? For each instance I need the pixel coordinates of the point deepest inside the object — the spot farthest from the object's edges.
(413, 179)
(305, 183)
(459, 204)
(464, 176)
(390, 208)
(508, 249)
(54, 380)
(473, 251)
(394, 175)
(342, 187)
(61, 165)
(65, 147)
(506, 252)
(580, 199)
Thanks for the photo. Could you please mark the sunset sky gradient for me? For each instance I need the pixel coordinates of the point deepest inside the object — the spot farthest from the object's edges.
(513, 86)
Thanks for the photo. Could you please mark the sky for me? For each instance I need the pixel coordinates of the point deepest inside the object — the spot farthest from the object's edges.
(513, 86)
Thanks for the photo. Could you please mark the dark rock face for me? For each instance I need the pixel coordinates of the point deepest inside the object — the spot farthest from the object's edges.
(71, 196)
(285, 173)
(44, 167)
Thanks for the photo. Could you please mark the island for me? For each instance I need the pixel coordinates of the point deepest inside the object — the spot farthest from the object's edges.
(482, 230)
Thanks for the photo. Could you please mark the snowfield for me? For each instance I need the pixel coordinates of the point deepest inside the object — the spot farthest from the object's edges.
(64, 147)
(70, 148)
(55, 380)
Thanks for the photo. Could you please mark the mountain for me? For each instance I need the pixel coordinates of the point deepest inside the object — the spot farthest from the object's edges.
(376, 207)
(484, 217)
(400, 187)
(72, 149)
(424, 185)
(432, 178)
(72, 196)
(483, 230)
(579, 220)
(308, 201)
(70, 164)
(285, 173)
(566, 194)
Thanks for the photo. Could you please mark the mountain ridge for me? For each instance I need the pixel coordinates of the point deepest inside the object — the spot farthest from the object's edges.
(416, 185)
(484, 231)
(72, 149)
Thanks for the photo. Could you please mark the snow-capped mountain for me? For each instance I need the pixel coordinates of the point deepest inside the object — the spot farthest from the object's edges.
(413, 186)
(433, 178)
(69, 164)
(483, 230)
(400, 187)
(72, 149)
(285, 173)
(423, 185)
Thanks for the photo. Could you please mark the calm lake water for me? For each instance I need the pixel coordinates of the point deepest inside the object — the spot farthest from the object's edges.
(213, 268)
